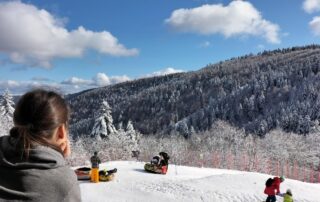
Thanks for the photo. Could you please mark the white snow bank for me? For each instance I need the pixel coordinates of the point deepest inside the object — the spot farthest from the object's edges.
(133, 184)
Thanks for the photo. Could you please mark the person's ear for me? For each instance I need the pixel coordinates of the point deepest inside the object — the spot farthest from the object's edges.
(61, 135)
(63, 140)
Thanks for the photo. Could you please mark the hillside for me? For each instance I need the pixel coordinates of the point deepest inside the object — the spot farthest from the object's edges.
(186, 184)
(273, 89)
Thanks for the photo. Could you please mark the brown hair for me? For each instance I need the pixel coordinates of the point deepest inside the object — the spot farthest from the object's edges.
(36, 115)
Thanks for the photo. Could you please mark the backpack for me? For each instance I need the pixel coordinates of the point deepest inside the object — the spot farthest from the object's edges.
(269, 182)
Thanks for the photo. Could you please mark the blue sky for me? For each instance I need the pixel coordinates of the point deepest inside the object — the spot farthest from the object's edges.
(73, 45)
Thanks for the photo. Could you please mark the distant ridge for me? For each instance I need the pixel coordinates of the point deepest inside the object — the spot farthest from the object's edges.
(273, 89)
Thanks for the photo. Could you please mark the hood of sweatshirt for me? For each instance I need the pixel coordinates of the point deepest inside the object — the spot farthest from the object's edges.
(43, 176)
(40, 157)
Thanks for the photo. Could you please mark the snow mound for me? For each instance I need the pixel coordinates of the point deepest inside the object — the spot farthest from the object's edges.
(133, 184)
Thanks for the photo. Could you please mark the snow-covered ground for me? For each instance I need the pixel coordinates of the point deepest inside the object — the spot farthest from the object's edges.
(186, 184)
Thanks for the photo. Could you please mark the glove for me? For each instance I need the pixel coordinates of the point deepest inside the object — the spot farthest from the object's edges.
(280, 194)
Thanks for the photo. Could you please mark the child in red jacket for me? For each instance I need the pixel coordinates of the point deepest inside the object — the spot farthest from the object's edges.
(273, 189)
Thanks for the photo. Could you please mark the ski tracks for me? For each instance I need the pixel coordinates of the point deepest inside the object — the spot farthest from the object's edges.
(181, 191)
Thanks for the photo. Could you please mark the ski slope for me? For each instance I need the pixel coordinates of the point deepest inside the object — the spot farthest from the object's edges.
(133, 184)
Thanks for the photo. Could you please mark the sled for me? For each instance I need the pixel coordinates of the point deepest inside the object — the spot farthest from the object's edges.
(155, 168)
(107, 175)
(84, 173)
(106, 178)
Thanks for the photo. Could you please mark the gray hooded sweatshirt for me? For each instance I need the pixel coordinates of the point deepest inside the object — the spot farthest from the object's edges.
(44, 177)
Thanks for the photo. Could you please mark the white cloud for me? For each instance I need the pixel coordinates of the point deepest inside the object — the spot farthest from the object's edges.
(315, 25)
(166, 71)
(76, 81)
(10, 84)
(73, 84)
(19, 87)
(236, 19)
(311, 6)
(119, 79)
(33, 36)
(101, 79)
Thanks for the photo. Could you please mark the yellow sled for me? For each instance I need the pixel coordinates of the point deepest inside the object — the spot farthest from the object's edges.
(106, 178)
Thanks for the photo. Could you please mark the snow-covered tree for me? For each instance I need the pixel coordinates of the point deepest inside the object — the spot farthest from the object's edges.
(130, 128)
(6, 113)
(103, 125)
(120, 127)
(80, 154)
(125, 141)
(6, 104)
(182, 127)
(132, 136)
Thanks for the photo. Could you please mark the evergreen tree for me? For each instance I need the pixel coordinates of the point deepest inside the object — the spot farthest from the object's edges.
(182, 128)
(7, 104)
(132, 137)
(6, 113)
(123, 142)
(103, 125)
(130, 128)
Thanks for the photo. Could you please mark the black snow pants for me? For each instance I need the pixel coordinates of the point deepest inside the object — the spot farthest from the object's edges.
(271, 198)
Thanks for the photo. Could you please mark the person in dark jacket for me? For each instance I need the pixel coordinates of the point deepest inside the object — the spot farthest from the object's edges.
(164, 159)
(32, 157)
(274, 189)
(164, 162)
(95, 160)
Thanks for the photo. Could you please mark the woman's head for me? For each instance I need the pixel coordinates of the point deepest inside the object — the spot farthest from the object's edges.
(41, 117)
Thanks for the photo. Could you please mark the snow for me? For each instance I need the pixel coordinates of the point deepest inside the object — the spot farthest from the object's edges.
(6, 113)
(6, 105)
(181, 183)
(6, 124)
(104, 122)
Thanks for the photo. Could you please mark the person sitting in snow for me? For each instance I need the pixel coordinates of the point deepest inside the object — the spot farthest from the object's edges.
(164, 162)
(155, 160)
(273, 189)
(95, 161)
(288, 196)
(158, 164)
(164, 159)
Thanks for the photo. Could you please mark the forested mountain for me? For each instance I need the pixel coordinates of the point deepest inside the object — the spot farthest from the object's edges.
(256, 92)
